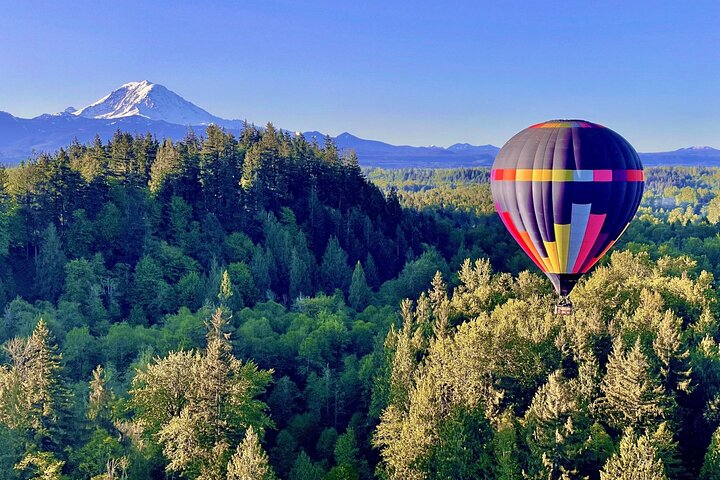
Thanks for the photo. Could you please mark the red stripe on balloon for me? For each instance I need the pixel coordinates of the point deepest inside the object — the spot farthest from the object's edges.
(507, 220)
(595, 223)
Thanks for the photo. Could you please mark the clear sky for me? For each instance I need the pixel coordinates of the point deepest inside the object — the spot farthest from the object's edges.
(420, 73)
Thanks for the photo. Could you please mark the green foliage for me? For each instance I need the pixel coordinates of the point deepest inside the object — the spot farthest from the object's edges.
(197, 404)
(500, 349)
(360, 292)
(92, 458)
(42, 466)
(49, 265)
(249, 462)
(33, 397)
(637, 459)
(334, 270)
(633, 397)
(149, 288)
(711, 465)
(475, 378)
(226, 289)
(305, 469)
(80, 235)
(81, 352)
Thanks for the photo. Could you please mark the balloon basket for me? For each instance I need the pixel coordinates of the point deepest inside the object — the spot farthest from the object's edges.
(564, 307)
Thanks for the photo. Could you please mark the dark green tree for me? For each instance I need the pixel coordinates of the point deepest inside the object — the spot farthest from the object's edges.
(334, 270)
(359, 295)
(49, 265)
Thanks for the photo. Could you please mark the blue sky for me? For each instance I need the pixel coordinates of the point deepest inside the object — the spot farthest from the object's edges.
(416, 73)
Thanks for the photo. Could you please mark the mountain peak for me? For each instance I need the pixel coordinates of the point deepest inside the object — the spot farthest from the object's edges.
(141, 83)
(149, 100)
(698, 148)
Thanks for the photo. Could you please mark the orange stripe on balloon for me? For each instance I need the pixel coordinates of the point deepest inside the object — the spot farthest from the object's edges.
(535, 257)
(507, 220)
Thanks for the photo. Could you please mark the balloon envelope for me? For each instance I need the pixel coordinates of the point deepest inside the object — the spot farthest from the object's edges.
(566, 190)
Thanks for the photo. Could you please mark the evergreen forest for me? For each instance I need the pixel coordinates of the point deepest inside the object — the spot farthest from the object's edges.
(260, 307)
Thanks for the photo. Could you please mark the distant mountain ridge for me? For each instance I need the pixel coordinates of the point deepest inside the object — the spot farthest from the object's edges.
(689, 157)
(141, 107)
(373, 153)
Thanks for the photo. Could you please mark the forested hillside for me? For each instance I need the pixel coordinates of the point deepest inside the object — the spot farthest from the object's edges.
(226, 307)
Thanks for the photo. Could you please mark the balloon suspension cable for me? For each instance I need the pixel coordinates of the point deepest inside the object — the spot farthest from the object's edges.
(564, 306)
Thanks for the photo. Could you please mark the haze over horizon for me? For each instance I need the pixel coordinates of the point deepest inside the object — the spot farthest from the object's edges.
(420, 76)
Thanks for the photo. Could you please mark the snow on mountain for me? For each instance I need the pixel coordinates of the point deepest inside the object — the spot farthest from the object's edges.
(151, 101)
(142, 107)
(699, 149)
(689, 156)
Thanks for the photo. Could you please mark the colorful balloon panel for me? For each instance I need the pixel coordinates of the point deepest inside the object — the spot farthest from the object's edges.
(566, 190)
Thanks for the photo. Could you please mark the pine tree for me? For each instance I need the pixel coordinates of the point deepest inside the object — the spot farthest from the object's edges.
(49, 266)
(180, 213)
(260, 268)
(100, 397)
(226, 289)
(43, 466)
(349, 464)
(557, 428)
(371, 273)
(167, 164)
(637, 459)
(360, 293)
(663, 440)
(334, 271)
(669, 347)
(33, 397)
(250, 462)
(505, 450)
(198, 404)
(316, 221)
(251, 166)
(305, 469)
(711, 465)
(440, 306)
(47, 395)
(300, 278)
(94, 165)
(121, 157)
(632, 395)
(406, 345)
(149, 289)
(399, 452)
(219, 174)
(80, 235)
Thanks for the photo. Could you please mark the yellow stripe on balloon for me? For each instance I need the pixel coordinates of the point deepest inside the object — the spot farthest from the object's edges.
(562, 238)
(524, 174)
(551, 248)
(560, 175)
(542, 175)
(547, 263)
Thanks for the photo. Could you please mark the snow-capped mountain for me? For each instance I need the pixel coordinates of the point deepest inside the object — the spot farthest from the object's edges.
(148, 100)
(689, 156)
(142, 107)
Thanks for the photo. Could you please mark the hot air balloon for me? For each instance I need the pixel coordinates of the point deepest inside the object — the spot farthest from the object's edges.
(566, 190)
